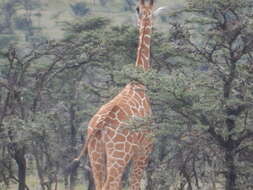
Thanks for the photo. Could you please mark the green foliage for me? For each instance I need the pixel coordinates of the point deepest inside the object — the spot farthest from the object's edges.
(88, 24)
(200, 87)
(207, 93)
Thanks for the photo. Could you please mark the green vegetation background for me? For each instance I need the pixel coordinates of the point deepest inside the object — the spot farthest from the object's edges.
(57, 69)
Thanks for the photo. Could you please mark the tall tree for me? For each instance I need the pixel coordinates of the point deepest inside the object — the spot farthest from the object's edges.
(210, 91)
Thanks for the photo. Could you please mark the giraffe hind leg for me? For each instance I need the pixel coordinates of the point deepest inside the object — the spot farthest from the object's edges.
(139, 163)
(117, 158)
(97, 160)
(115, 169)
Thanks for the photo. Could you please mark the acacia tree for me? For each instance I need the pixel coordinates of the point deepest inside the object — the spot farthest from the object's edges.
(61, 93)
(210, 91)
(200, 86)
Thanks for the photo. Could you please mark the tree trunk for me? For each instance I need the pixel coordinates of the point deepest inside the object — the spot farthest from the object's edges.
(72, 179)
(149, 172)
(21, 162)
(66, 183)
(187, 177)
(73, 131)
(91, 185)
(230, 147)
(230, 175)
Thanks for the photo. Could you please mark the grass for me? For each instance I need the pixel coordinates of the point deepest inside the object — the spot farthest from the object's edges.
(33, 184)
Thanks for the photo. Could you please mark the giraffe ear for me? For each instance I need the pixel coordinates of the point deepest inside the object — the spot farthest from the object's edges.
(137, 13)
(137, 10)
(159, 11)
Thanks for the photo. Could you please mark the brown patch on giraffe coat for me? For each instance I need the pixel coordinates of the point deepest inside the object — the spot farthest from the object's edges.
(119, 138)
(93, 142)
(106, 137)
(112, 115)
(142, 112)
(135, 111)
(118, 154)
(99, 147)
(118, 166)
(145, 51)
(119, 146)
(97, 166)
(127, 157)
(110, 145)
(113, 172)
(124, 132)
(114, 122)
(121, 115)
(127, 147)
(121, 162)
(141, 93)
(95, 155)
(126, 109)
(111, 178)
(129, 138)
(110, 132)
(147, 30)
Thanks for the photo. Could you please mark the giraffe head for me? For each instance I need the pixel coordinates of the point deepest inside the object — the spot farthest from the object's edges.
(145, 12)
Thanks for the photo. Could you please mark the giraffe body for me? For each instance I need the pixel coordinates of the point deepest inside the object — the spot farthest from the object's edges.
(114, 145)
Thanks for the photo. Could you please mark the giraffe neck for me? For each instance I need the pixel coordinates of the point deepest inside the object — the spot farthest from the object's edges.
(143, 52)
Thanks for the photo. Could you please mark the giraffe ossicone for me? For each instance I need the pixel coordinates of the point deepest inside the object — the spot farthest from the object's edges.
(110, 144)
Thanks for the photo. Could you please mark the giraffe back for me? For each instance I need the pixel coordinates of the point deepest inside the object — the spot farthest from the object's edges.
(131, 102)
